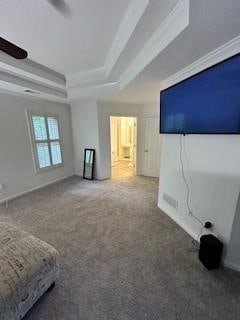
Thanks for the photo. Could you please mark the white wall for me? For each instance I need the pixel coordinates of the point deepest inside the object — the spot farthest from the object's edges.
(105, 110)
(16, 161)
(151, 109)
(91, 129)
(85, 133)
(213, 164)
(233, 252)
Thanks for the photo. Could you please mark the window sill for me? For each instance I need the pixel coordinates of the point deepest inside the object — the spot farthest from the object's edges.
(41, 170)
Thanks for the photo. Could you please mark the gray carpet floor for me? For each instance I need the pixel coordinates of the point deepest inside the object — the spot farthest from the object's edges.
(121, 257)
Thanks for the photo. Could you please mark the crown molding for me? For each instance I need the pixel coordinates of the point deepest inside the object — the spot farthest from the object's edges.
(26, 74)
(14, 82)
(74, 80)
(84, 83)
(128, 24)
(17, 91)
(31, 69)
(16, 76)
(169, 29)
(223, 52)
(92, 91)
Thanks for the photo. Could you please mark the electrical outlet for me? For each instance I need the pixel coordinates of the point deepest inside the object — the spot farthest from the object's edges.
(1, 187)
(208, 225)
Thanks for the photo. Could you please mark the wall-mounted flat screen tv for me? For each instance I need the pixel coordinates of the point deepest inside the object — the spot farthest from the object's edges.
(206, 103)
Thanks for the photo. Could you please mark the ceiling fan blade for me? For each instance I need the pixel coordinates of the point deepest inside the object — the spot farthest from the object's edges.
(12, 50)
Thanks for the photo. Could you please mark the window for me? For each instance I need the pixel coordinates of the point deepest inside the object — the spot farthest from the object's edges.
(46, 140)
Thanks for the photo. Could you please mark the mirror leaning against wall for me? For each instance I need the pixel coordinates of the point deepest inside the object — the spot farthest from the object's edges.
(89, 161)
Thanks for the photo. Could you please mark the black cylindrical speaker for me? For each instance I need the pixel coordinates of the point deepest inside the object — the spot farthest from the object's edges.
(210, 252)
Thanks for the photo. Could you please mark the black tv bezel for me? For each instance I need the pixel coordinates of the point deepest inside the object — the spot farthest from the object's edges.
(194, 75)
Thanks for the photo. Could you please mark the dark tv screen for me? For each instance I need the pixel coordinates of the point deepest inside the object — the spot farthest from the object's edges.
(206, 103)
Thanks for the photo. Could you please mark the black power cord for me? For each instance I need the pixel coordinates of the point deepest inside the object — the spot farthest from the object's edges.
(206, 225)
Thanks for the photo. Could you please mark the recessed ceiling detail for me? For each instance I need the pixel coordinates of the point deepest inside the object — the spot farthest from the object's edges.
(77, 79)
(113, 47)
(169, 29)
(90, 82)
(173, 24)
(129, 22)
(135, 10)
(31, 69)
(223, 52)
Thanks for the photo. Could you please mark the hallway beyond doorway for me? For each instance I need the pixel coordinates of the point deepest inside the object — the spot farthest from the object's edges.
(122, 169)
(123, 131)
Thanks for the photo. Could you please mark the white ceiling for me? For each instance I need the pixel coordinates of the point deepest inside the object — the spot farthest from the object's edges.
(212, 23)
(153, 16)
(102, 46)
(68, 43)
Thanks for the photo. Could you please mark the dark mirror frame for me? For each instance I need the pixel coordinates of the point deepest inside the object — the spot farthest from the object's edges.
(93, 164)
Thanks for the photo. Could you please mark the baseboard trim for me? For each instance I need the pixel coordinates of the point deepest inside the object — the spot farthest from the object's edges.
(192, 234)
(177, 221)
(231, 266)
(17, 195)
(78, 175)
(94, 178)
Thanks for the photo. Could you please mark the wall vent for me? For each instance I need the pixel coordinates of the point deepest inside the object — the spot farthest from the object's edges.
(172, 202)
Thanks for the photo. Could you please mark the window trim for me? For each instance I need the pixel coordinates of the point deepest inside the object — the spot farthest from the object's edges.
(30, 114)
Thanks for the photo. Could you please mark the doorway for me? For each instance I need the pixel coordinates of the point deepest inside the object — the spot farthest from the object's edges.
(123, 131)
